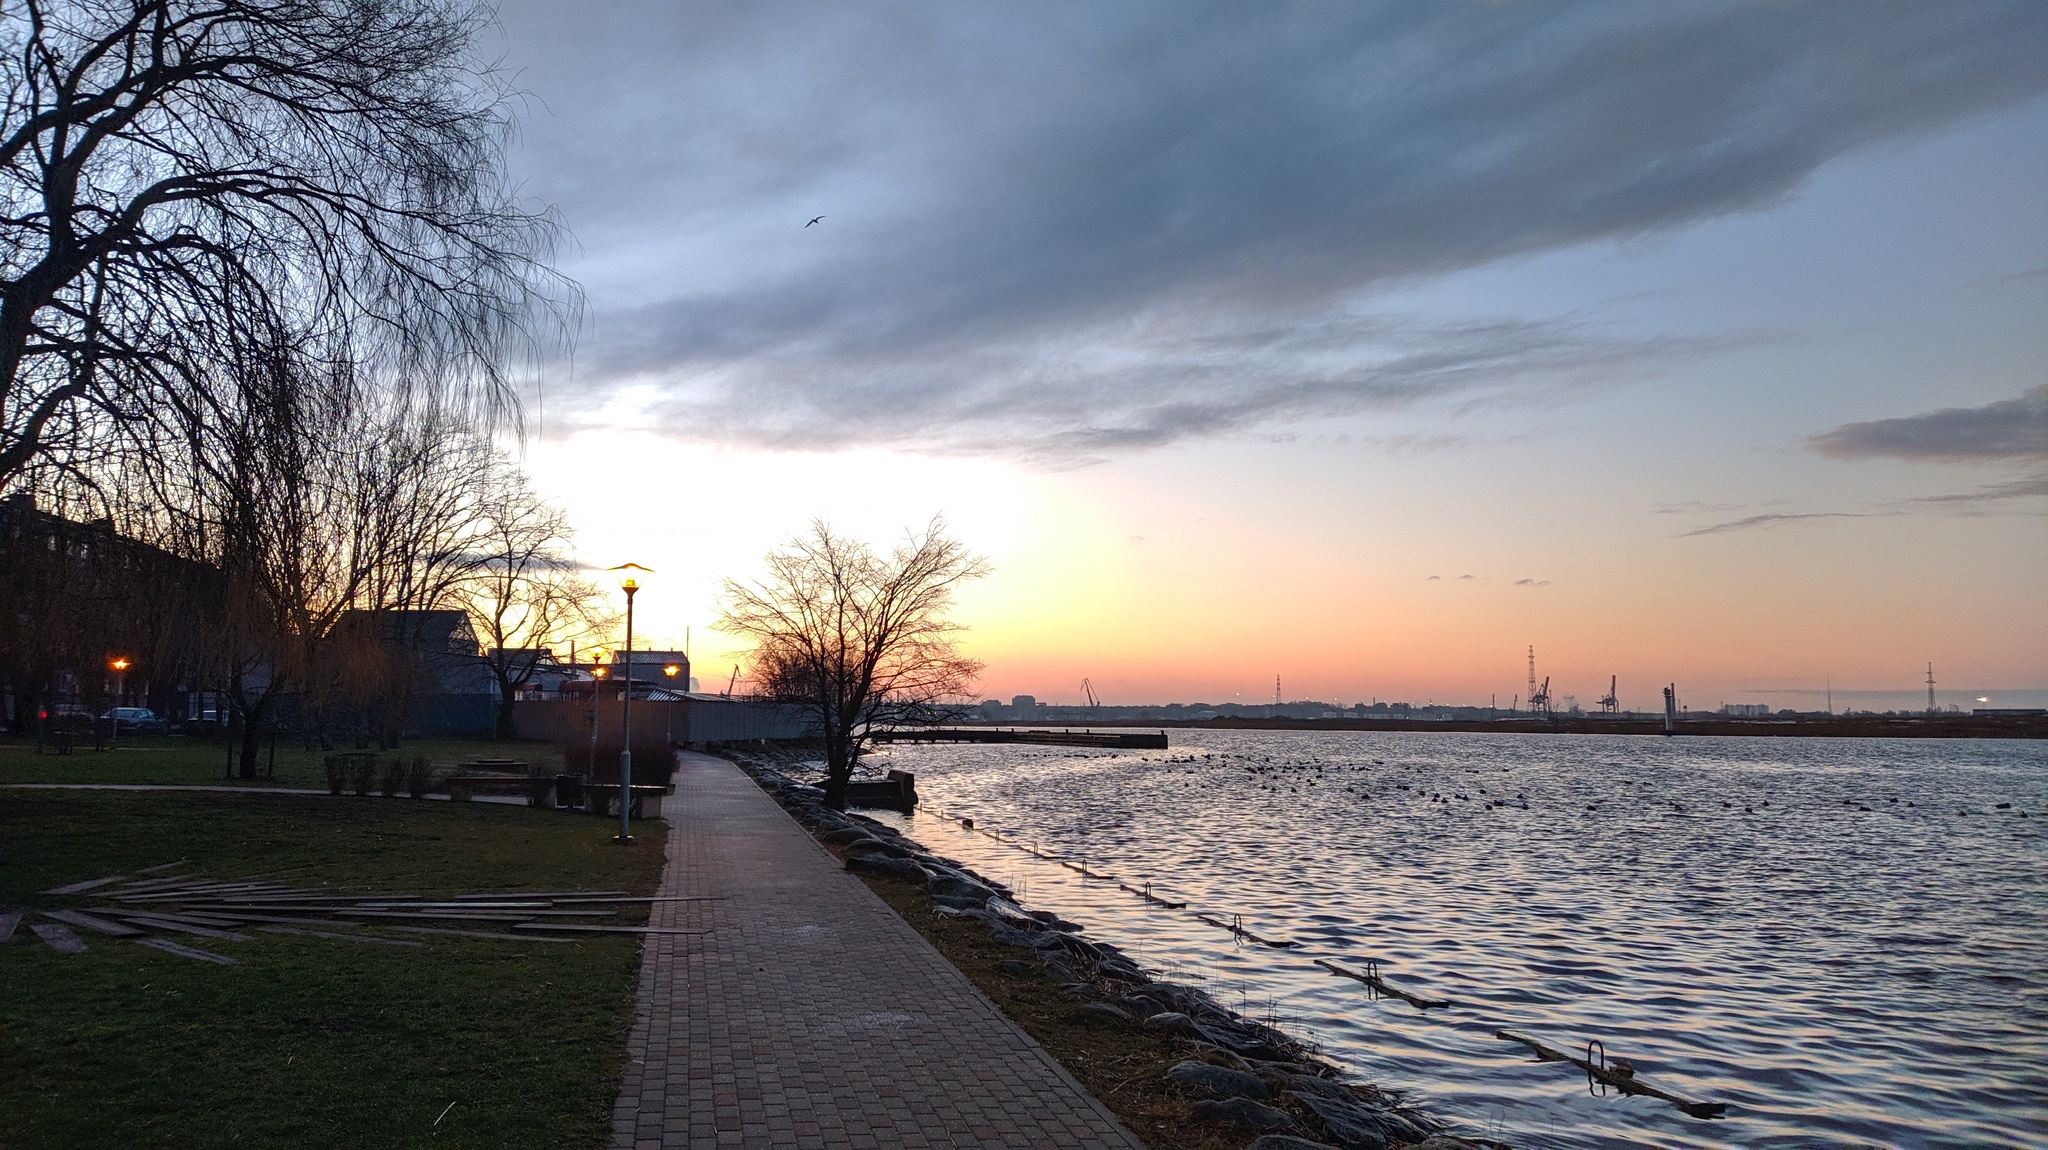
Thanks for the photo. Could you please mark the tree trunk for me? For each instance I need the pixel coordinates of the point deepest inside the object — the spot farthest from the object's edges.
(505, 725)
(252, 739)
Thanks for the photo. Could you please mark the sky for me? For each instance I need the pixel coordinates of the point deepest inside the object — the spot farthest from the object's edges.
(1364, 346)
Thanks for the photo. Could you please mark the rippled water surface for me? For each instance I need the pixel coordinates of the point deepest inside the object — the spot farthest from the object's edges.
(1846, 941)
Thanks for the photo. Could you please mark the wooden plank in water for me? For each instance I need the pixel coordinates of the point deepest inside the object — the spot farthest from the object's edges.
(88, 884)
(1379, 984)
(1622, 1078)
(59, 937)
(91, 922)
(183, 951)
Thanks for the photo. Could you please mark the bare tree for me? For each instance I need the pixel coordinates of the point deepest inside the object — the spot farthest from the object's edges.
(525, 594)
(859, 639)
(183, 182)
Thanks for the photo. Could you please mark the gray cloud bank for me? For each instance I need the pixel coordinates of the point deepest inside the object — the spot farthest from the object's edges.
(2010, 429)
(1077, 228)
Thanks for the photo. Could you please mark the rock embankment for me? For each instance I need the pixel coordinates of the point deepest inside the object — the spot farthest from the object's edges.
(1242, 1074)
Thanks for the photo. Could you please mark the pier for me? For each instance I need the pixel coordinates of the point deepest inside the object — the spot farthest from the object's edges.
(1122, 740)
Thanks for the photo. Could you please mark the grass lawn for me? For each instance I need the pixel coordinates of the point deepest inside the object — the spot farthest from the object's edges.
(189, 760)
(311, 1042)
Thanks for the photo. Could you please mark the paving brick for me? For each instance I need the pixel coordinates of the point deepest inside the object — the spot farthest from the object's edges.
(811, 1015)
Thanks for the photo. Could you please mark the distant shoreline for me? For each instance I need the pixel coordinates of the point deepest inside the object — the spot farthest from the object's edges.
(1835, 727)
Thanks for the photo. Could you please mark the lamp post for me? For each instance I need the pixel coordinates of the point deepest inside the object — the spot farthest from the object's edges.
(671, 671)
(596, 681)
(120, 665)
(630, 584)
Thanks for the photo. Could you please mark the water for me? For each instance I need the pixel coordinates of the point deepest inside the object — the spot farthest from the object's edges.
(1860, 956)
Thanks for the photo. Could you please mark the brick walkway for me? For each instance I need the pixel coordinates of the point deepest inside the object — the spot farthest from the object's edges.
(811, 1015)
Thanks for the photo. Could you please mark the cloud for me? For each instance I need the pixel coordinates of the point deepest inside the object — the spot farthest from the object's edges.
(2010, 429)
(1432, 578)
(1069, 229)
(1463, 578)
(1770, 520)
(1987, 496)
(1532, 582)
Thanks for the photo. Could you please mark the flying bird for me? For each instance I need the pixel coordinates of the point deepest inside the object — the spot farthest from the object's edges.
(814, 219)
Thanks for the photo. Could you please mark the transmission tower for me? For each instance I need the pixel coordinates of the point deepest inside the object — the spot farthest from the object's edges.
(1276, 690)
(1930, 689)
(1531, 696)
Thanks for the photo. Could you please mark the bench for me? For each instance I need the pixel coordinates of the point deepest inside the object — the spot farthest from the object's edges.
(603, 799)
(540, 791)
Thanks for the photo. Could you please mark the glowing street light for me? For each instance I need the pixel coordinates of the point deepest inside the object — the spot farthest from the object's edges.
(596, 681)
(629, 582)
(671, 671)
(120, 664)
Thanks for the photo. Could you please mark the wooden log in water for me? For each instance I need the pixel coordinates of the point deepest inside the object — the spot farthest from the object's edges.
(1622, 1080)
(1381, 985)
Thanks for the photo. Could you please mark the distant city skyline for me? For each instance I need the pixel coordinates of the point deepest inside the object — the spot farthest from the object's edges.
(1364, 345)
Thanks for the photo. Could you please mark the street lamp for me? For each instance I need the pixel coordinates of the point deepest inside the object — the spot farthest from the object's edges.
(671, 671)
(596, 681)
(629, 582)
(120, 665)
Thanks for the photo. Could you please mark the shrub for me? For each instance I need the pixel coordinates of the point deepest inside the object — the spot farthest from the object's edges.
(362, 769)
(337, 773)
(392, 780)
(419, 778)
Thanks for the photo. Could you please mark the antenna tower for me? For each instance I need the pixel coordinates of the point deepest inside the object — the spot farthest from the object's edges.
(1532, 677)
(1930, 688)
(1276, 690)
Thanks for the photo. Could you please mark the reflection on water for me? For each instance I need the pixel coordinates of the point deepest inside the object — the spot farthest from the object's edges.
(1844, 940)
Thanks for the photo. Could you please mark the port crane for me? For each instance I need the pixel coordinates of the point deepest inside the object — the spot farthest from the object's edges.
(1539, 702)
(1609, 702)
(1088, 692)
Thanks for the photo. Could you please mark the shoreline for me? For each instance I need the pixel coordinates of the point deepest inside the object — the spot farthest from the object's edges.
(1207, 1077)
(1717, 726)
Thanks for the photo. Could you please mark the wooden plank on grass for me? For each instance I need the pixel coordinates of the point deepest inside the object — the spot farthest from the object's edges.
(183, 951)
(480, 934)
(59, 937)
(163, 866)
(88, 884)
(604, 929)
(91, 922)
(8, 921)
(187, 928)
(340, 937)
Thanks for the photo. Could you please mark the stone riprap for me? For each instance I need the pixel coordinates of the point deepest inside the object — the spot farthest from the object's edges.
(811, 1015)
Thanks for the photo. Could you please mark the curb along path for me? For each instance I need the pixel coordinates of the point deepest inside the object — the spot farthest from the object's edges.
(811, 1015)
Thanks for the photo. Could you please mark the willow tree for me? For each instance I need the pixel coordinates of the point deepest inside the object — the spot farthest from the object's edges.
(184, 183)
(859, 639)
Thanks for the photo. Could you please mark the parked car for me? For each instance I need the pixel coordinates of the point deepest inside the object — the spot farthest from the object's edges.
(137, 721)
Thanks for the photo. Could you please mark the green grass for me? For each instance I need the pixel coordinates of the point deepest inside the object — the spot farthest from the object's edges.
(310, 1042)
(188, 760)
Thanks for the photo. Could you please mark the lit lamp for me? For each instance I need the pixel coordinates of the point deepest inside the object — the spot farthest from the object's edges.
(120, 665)
(671, 671)
(629, 582)
(596, 681)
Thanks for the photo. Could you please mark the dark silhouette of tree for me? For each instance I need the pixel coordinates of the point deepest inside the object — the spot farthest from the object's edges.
(860, 640)
(525, 594)
(185, 183)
